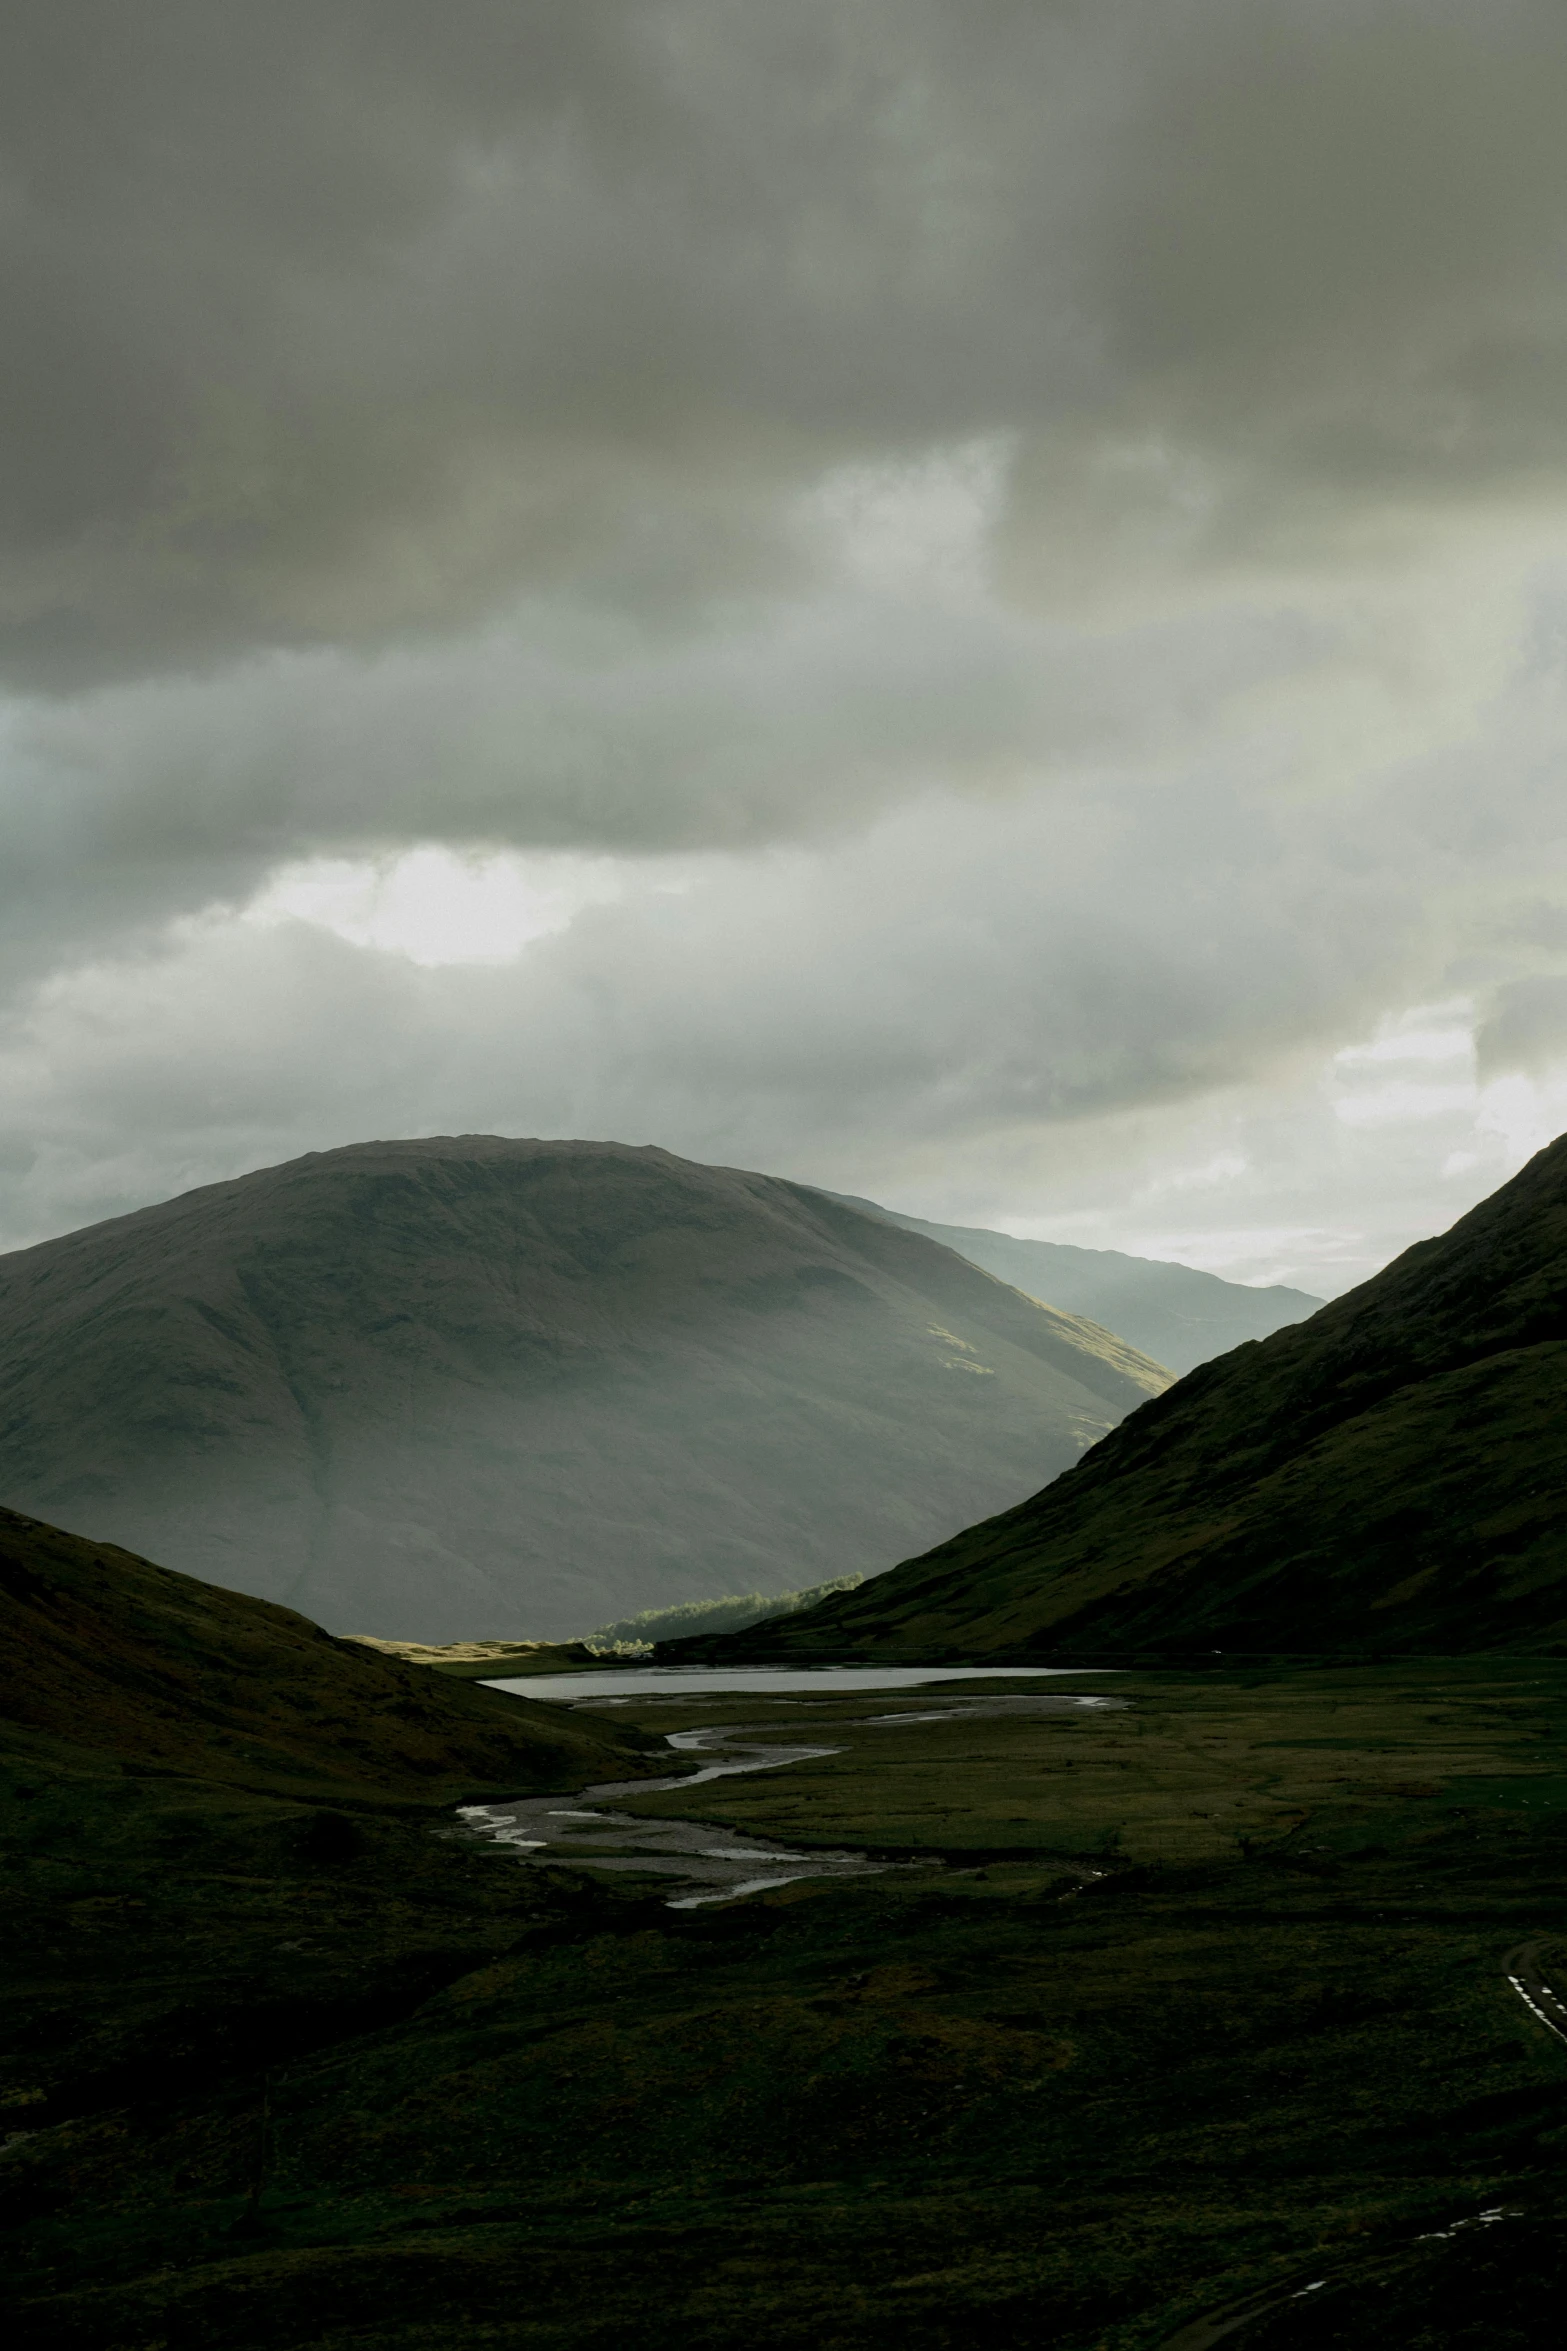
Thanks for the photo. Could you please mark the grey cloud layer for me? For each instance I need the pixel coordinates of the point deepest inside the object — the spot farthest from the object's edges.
(334, 318)
(475, 422)
(980, 984)
(559, 729)
(1526, 1028)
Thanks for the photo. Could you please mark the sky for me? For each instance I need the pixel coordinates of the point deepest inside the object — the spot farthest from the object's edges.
(964, 600)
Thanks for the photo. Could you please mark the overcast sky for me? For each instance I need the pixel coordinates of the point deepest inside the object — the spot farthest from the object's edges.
(962, 599)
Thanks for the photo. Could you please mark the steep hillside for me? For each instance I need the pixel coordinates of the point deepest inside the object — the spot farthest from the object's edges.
(1390, 1476)
(1172, 1312)
(474, 1388)
(108, 1653)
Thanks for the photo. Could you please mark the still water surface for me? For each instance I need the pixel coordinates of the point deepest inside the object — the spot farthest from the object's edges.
(678, 1681)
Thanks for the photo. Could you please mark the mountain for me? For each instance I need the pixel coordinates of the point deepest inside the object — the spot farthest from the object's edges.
(1389, 1476)
(1172, 1312)
(466, 1388)
(107, 1653)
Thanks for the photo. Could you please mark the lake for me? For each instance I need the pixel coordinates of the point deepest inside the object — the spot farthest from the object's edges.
(638, 1681)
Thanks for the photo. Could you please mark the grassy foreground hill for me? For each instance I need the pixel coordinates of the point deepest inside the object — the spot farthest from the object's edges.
(1219, 2002)
(1389, 1476)
(107, 1653)
(1179, 1998)
(471, 1388)
(215, 1828)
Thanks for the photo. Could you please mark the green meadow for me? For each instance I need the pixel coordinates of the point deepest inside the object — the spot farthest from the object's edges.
(1192, 2004)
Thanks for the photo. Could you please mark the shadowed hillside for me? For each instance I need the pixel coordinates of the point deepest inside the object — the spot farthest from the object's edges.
(473, 1388)
(1183, 1991)
(106, 1652)
(1175, 1313)
(1391, 1475)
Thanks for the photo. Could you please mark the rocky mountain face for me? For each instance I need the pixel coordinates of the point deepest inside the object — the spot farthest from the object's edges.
(1390, 1476)
(473, 1388)
(1174, 1313)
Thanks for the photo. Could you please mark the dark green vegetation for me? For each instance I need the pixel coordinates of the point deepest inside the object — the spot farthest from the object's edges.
(1167, 2006)
(1172, 1312)
(1389, 1476)
(718, 1616)
(458, 1389)
(106, 1652)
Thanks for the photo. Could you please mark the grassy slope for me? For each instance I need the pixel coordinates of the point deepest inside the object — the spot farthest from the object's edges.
(106, 1651)
(216, 1829)
(1391, 1474)
(1022, 2105)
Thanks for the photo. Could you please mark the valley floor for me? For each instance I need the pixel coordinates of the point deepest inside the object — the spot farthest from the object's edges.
(1187, 2017)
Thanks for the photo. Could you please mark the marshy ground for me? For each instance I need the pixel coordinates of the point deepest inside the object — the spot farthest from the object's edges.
(1181, 2016)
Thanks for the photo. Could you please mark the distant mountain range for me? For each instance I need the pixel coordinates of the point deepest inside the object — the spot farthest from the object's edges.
(1172, 1312)
(476, 1388)
(1390, 1476)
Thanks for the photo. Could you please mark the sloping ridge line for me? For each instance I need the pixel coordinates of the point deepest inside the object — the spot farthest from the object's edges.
(1409, 1434)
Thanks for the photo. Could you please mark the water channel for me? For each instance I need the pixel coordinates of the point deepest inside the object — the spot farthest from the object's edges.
(705, 1862)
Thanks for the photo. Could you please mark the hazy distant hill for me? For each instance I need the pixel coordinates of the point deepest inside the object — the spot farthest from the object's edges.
(470, 1388)
(1172, 1312)
(1390, 1475)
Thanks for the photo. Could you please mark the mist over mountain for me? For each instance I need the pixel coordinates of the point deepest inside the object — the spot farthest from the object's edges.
(1175, 1313)
(472, 1387)
(1389, 1476)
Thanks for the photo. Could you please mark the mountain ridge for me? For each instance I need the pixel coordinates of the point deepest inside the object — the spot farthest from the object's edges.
(1391, 1474)
(477, 1387)
(1176, 1313)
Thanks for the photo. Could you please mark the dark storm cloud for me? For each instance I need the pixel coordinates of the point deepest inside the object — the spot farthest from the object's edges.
(1052, 498)
(961, 980)
(332, 319)
(769, 723)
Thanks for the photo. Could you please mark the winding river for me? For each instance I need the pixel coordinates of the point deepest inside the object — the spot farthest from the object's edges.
(705, 1862)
